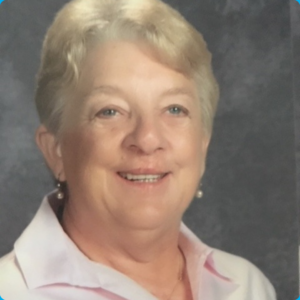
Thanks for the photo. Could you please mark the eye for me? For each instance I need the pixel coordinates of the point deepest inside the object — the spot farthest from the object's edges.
(177, 110)
(107, 112)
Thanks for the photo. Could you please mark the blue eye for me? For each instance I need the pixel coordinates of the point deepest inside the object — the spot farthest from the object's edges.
(109, 112)
(177, 110)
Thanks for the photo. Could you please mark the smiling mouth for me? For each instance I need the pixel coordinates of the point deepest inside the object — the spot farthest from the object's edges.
(143, 178)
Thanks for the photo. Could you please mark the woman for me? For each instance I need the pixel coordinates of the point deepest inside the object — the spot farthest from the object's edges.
(126, 98)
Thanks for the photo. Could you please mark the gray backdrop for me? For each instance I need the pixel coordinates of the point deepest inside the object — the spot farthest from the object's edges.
(250, 207)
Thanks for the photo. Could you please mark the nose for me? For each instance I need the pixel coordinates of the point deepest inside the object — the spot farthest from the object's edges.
(146, 136)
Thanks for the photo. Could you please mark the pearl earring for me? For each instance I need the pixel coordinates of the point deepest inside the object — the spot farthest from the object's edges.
(60, 193)
(199, 194)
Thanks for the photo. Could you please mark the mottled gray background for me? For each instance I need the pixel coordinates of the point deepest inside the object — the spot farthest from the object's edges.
(251, 186)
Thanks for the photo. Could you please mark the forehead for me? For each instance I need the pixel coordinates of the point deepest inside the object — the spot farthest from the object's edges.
(127, 65)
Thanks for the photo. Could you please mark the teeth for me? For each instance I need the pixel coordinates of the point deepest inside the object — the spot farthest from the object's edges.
(142, 178)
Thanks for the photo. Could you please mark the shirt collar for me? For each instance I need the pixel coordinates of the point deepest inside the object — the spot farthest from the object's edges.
(208, 279)
(46, 256)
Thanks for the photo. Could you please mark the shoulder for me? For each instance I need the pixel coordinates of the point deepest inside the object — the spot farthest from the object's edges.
(253, 284)
(11, 278)
(8, 266)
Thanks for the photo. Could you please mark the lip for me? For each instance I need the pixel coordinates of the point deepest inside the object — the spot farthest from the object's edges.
(143, 171)
(144, 185)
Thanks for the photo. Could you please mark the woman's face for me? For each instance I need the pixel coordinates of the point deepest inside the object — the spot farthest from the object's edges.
(133, 148)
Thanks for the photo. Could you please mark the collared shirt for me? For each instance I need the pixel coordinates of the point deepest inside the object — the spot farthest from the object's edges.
(46, 265)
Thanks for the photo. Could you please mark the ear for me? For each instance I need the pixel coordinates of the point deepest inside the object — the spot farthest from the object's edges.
(205, 143)
(205, 140)
(50, 147)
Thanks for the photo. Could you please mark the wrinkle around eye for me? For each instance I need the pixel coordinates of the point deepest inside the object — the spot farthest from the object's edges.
(177, 110)
(111, 113)
(107, 113)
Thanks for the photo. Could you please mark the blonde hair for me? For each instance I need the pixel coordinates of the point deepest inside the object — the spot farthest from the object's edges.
(82, 23)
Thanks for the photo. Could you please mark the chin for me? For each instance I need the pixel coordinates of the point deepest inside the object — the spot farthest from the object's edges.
(149, 220)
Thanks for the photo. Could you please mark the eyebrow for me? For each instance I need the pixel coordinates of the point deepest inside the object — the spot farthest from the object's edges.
(104, 89)
(114, 90)
(178, 91)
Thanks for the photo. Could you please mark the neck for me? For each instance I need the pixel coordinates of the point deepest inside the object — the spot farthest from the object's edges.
(146, 256)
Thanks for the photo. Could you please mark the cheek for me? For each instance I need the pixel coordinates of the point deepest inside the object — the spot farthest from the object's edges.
(190, 147)
(75, 154)
(84, 150)
(78, 149)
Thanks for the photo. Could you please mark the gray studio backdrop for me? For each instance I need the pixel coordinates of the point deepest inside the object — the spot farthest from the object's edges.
(250, 201)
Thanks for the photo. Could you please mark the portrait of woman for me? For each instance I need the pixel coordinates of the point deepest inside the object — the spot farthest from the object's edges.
(126, 98)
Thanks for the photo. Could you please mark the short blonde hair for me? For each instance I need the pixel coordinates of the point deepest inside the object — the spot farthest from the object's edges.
(82, 23)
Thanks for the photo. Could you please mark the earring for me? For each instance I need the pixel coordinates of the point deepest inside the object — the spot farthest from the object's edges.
(60, 193)
(199, 194)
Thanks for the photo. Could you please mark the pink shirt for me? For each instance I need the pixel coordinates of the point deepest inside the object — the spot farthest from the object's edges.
(46, 265)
